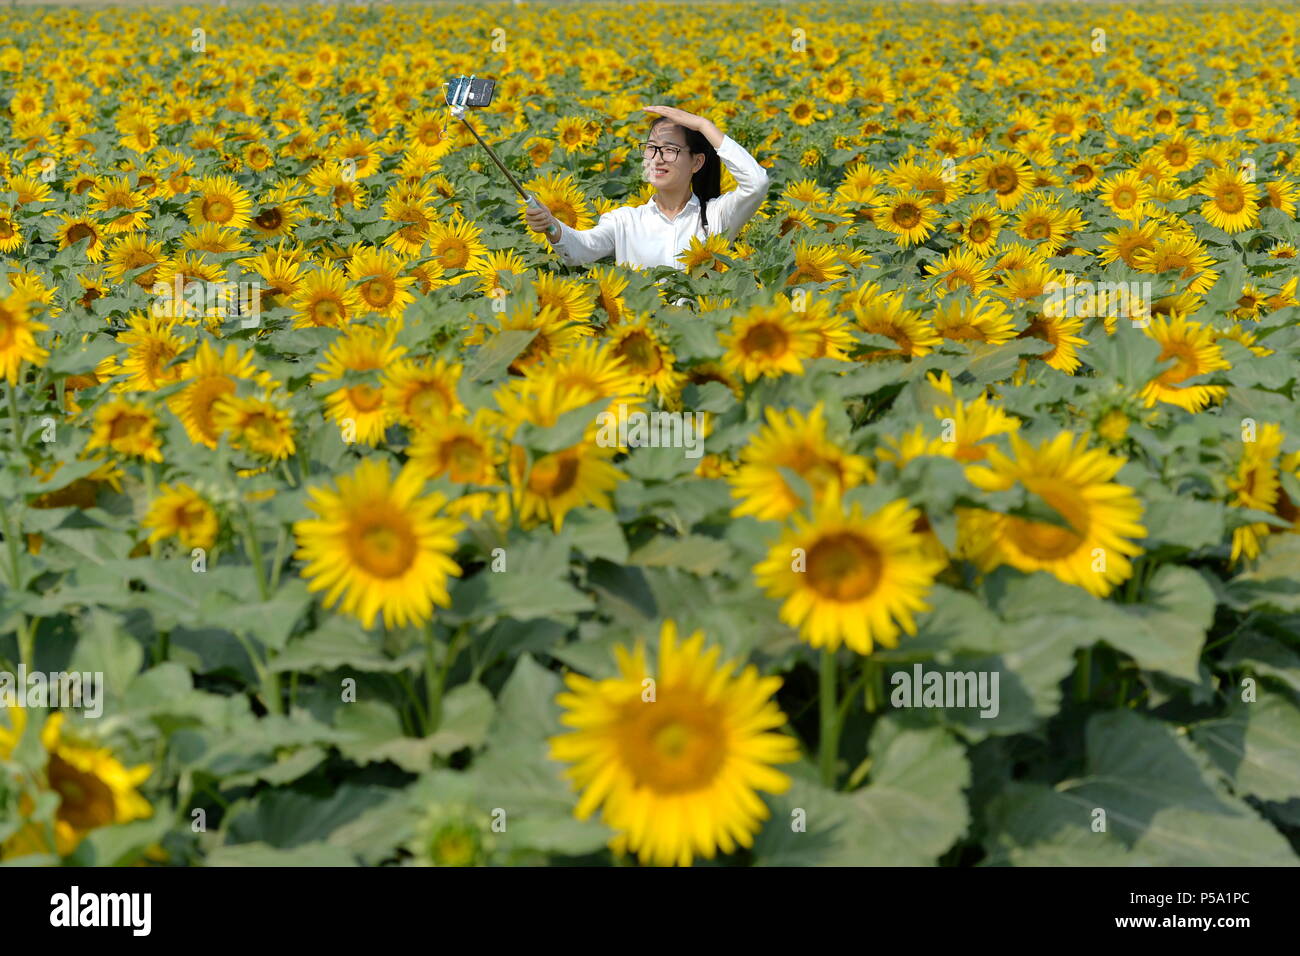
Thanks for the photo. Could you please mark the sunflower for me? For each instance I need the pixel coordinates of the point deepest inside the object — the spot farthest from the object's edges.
(465, 453)
(700, 257)
(968, 425)
(1005, 174)
(813, 263)
(495, 265)
(359, 349)
(209, 377)
(1256, 485)
(277, 213)
(282, 273)
(1062, 333)
(324, 298)
(457, 245)
(221, 201)
(571, 133)
(378, 544)
(676, 775)
(974, 320)
(769, 340)
(152, 343)
(610, 286)
(798, 443)
(980, 229)
(1233, 205)
(256, 424)
(846, 578)
(76, 228)
(551, 486)
(561, 195)
(210, 237)
(1194, 352)
(1092, 545)
(1044, 222)
(420, 392)
(908, 215)
(381, 287)
(644, 355)
(417, 219)
(128, 428)
(181, 512)
(94, 788)
(957, 269)
(1126, 195)
(882, 313)
(11, 234)
(1183, 254)
(18, 336)
(131, 252)
(118, 206)
(570, 298)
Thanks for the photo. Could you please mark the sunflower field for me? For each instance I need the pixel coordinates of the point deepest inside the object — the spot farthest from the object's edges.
(306, 457)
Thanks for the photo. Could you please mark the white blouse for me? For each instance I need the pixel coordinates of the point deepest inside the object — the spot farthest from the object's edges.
(642, 236)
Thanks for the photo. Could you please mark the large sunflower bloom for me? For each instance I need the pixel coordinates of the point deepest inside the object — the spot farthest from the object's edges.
(377, 545)
(676, 773)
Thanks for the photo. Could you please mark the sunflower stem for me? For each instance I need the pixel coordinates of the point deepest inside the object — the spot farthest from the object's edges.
(829, 744)
(437, 686)
(255, 553)
(14, 418)
(1083, 675)
(149, 496)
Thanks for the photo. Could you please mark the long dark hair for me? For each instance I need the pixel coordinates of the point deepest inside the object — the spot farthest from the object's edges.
(706, 182)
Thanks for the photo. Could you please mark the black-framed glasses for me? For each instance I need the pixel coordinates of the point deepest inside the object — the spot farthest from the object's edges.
(668, 153)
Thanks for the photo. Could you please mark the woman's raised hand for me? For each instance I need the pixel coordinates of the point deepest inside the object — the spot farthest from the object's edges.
(680, 117)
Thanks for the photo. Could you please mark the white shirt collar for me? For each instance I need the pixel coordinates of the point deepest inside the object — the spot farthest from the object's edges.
(692, 201)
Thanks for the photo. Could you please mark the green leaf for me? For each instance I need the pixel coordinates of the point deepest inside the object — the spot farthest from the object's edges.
(1257, 746)
(912, 812)
(261, 855)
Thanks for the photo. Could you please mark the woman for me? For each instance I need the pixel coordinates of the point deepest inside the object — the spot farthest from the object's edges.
(682, 158)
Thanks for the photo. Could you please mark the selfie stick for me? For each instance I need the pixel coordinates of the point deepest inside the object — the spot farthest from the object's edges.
(457, 101)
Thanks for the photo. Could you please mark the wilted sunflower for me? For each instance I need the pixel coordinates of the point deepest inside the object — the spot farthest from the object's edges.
(844, 578)
(377, 545)
(675, 774)
(1092, 545)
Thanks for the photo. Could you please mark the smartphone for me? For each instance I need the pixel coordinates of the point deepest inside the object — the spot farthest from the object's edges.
(469, 91)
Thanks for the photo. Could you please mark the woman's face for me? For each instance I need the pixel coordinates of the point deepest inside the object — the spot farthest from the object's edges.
(675, 174)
